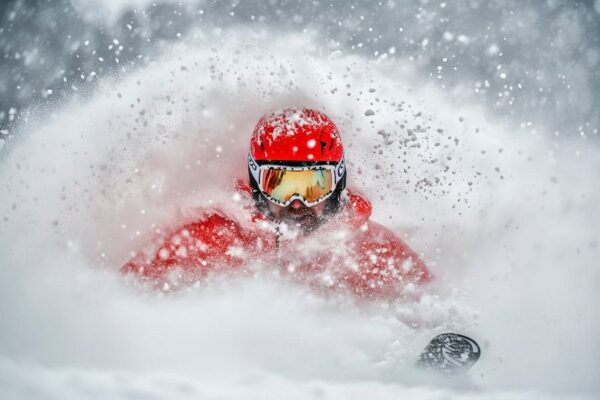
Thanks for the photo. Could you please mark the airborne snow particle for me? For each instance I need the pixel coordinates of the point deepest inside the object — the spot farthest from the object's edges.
(163, 253)
(463, 39)
(493, 50)
(369, 112)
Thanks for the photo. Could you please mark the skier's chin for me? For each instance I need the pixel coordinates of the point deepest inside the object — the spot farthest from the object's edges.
(299, 219)
(302, 223)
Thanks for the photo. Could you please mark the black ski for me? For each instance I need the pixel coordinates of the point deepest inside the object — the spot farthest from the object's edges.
(450, 353)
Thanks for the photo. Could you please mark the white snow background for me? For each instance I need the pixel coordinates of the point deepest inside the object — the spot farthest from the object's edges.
(504, 214)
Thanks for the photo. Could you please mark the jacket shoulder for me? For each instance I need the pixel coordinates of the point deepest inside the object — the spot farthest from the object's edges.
(210, 239)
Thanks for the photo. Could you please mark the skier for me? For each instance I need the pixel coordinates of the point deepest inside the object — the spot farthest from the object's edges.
(296, 218)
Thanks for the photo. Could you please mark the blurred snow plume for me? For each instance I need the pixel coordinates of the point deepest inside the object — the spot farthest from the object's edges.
(505, 220)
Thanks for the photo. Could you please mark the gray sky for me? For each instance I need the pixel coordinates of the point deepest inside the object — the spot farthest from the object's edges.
(527, 61)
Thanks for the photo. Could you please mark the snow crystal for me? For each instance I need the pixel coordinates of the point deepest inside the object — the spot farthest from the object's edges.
(181, 251)
(235, 251)
(407, 265)
(163, 253)
(492, 50)
(328, 280)
(463, 39)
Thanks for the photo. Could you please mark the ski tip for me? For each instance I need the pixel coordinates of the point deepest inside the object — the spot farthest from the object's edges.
(449, 353)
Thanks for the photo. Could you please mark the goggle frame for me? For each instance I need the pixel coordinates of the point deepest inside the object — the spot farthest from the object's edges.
(337, 171)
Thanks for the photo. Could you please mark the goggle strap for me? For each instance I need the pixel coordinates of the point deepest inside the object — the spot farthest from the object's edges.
(254, 169)
(338, 172)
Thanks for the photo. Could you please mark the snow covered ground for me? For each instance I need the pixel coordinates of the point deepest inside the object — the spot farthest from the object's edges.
(503, 211)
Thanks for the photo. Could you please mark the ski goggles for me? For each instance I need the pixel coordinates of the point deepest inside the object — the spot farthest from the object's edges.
(282, 184)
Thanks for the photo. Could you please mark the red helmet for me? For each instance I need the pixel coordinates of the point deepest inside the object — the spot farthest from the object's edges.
(296, 134)
(301, 147)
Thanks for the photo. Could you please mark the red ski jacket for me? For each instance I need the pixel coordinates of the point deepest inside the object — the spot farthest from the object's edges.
(349, 253)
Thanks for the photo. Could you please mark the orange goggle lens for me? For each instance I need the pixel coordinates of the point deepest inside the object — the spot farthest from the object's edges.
(282, 185)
